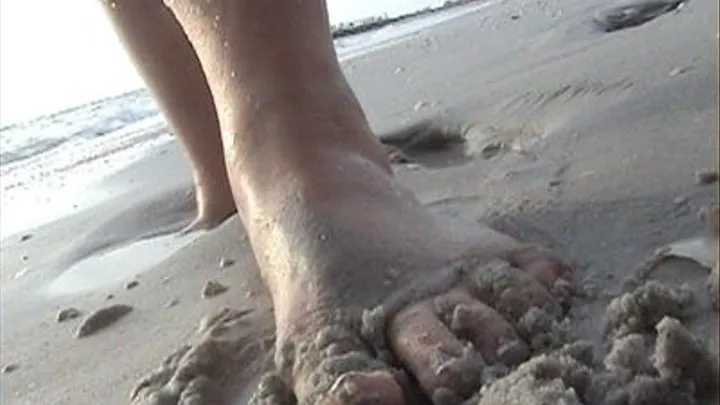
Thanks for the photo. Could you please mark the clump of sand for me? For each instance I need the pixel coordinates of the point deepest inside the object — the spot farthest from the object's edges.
(640, 310)
(654, 360)
(230, 349)
(554, 378)
(629, 357)
(682, 358)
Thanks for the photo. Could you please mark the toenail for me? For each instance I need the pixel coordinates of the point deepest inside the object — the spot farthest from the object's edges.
(460, 318)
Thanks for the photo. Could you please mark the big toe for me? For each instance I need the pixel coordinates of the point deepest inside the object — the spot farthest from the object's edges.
(443, 365)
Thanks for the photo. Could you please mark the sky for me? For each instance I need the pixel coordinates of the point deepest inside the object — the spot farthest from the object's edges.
(56, 54)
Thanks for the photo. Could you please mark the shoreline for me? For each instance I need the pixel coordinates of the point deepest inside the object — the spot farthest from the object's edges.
(374, 23)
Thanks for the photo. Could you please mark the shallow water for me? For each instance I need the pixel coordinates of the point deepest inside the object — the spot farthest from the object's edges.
(118, 265)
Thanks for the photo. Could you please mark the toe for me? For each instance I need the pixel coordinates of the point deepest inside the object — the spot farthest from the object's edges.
(490, 333)
(432, 353)
(552, 272)
(512, 291)
(540, 263)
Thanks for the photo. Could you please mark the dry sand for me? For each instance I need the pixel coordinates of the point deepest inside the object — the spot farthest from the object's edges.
(584, 140)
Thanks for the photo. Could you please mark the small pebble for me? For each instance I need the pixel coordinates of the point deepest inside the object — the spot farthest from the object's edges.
(396, 156)
(25, 258)
(492, 149)
(67, 314)
(514, 17)
(101, 319)
(26, 237)
(9, 368)
(420, 105)
(681, 200)
(131, 284)
(21, 273)
(398, 70)
(225, 262)
(109, 297)
(678, 71)
(704, 177)
(212, 289)
(555, 182)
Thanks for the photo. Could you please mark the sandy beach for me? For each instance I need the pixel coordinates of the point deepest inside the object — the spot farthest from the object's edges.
(585, 141)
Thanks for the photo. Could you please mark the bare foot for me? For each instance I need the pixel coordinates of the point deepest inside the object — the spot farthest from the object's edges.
(214, 206)
(373, 294)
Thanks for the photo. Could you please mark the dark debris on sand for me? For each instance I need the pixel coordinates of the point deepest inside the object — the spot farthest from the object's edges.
(705, 177)
(635, 13)
(9, 368)
(213, 289)
(425, 136)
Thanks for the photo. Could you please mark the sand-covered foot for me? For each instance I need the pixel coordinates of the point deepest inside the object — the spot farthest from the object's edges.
(433, 332)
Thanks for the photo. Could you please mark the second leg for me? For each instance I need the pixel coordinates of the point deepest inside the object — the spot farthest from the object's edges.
(168, 64)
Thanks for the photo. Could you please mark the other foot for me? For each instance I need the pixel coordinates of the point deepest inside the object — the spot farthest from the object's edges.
(213, 208)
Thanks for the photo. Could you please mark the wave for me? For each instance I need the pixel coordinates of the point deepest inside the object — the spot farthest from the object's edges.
(101, 118)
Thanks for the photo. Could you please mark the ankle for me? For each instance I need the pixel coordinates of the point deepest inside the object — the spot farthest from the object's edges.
(314, 115)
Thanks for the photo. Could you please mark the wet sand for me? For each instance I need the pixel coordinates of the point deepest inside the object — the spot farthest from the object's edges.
(583, 140)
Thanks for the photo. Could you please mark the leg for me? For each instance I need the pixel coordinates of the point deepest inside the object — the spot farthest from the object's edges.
(167, 62)
(334, 233)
